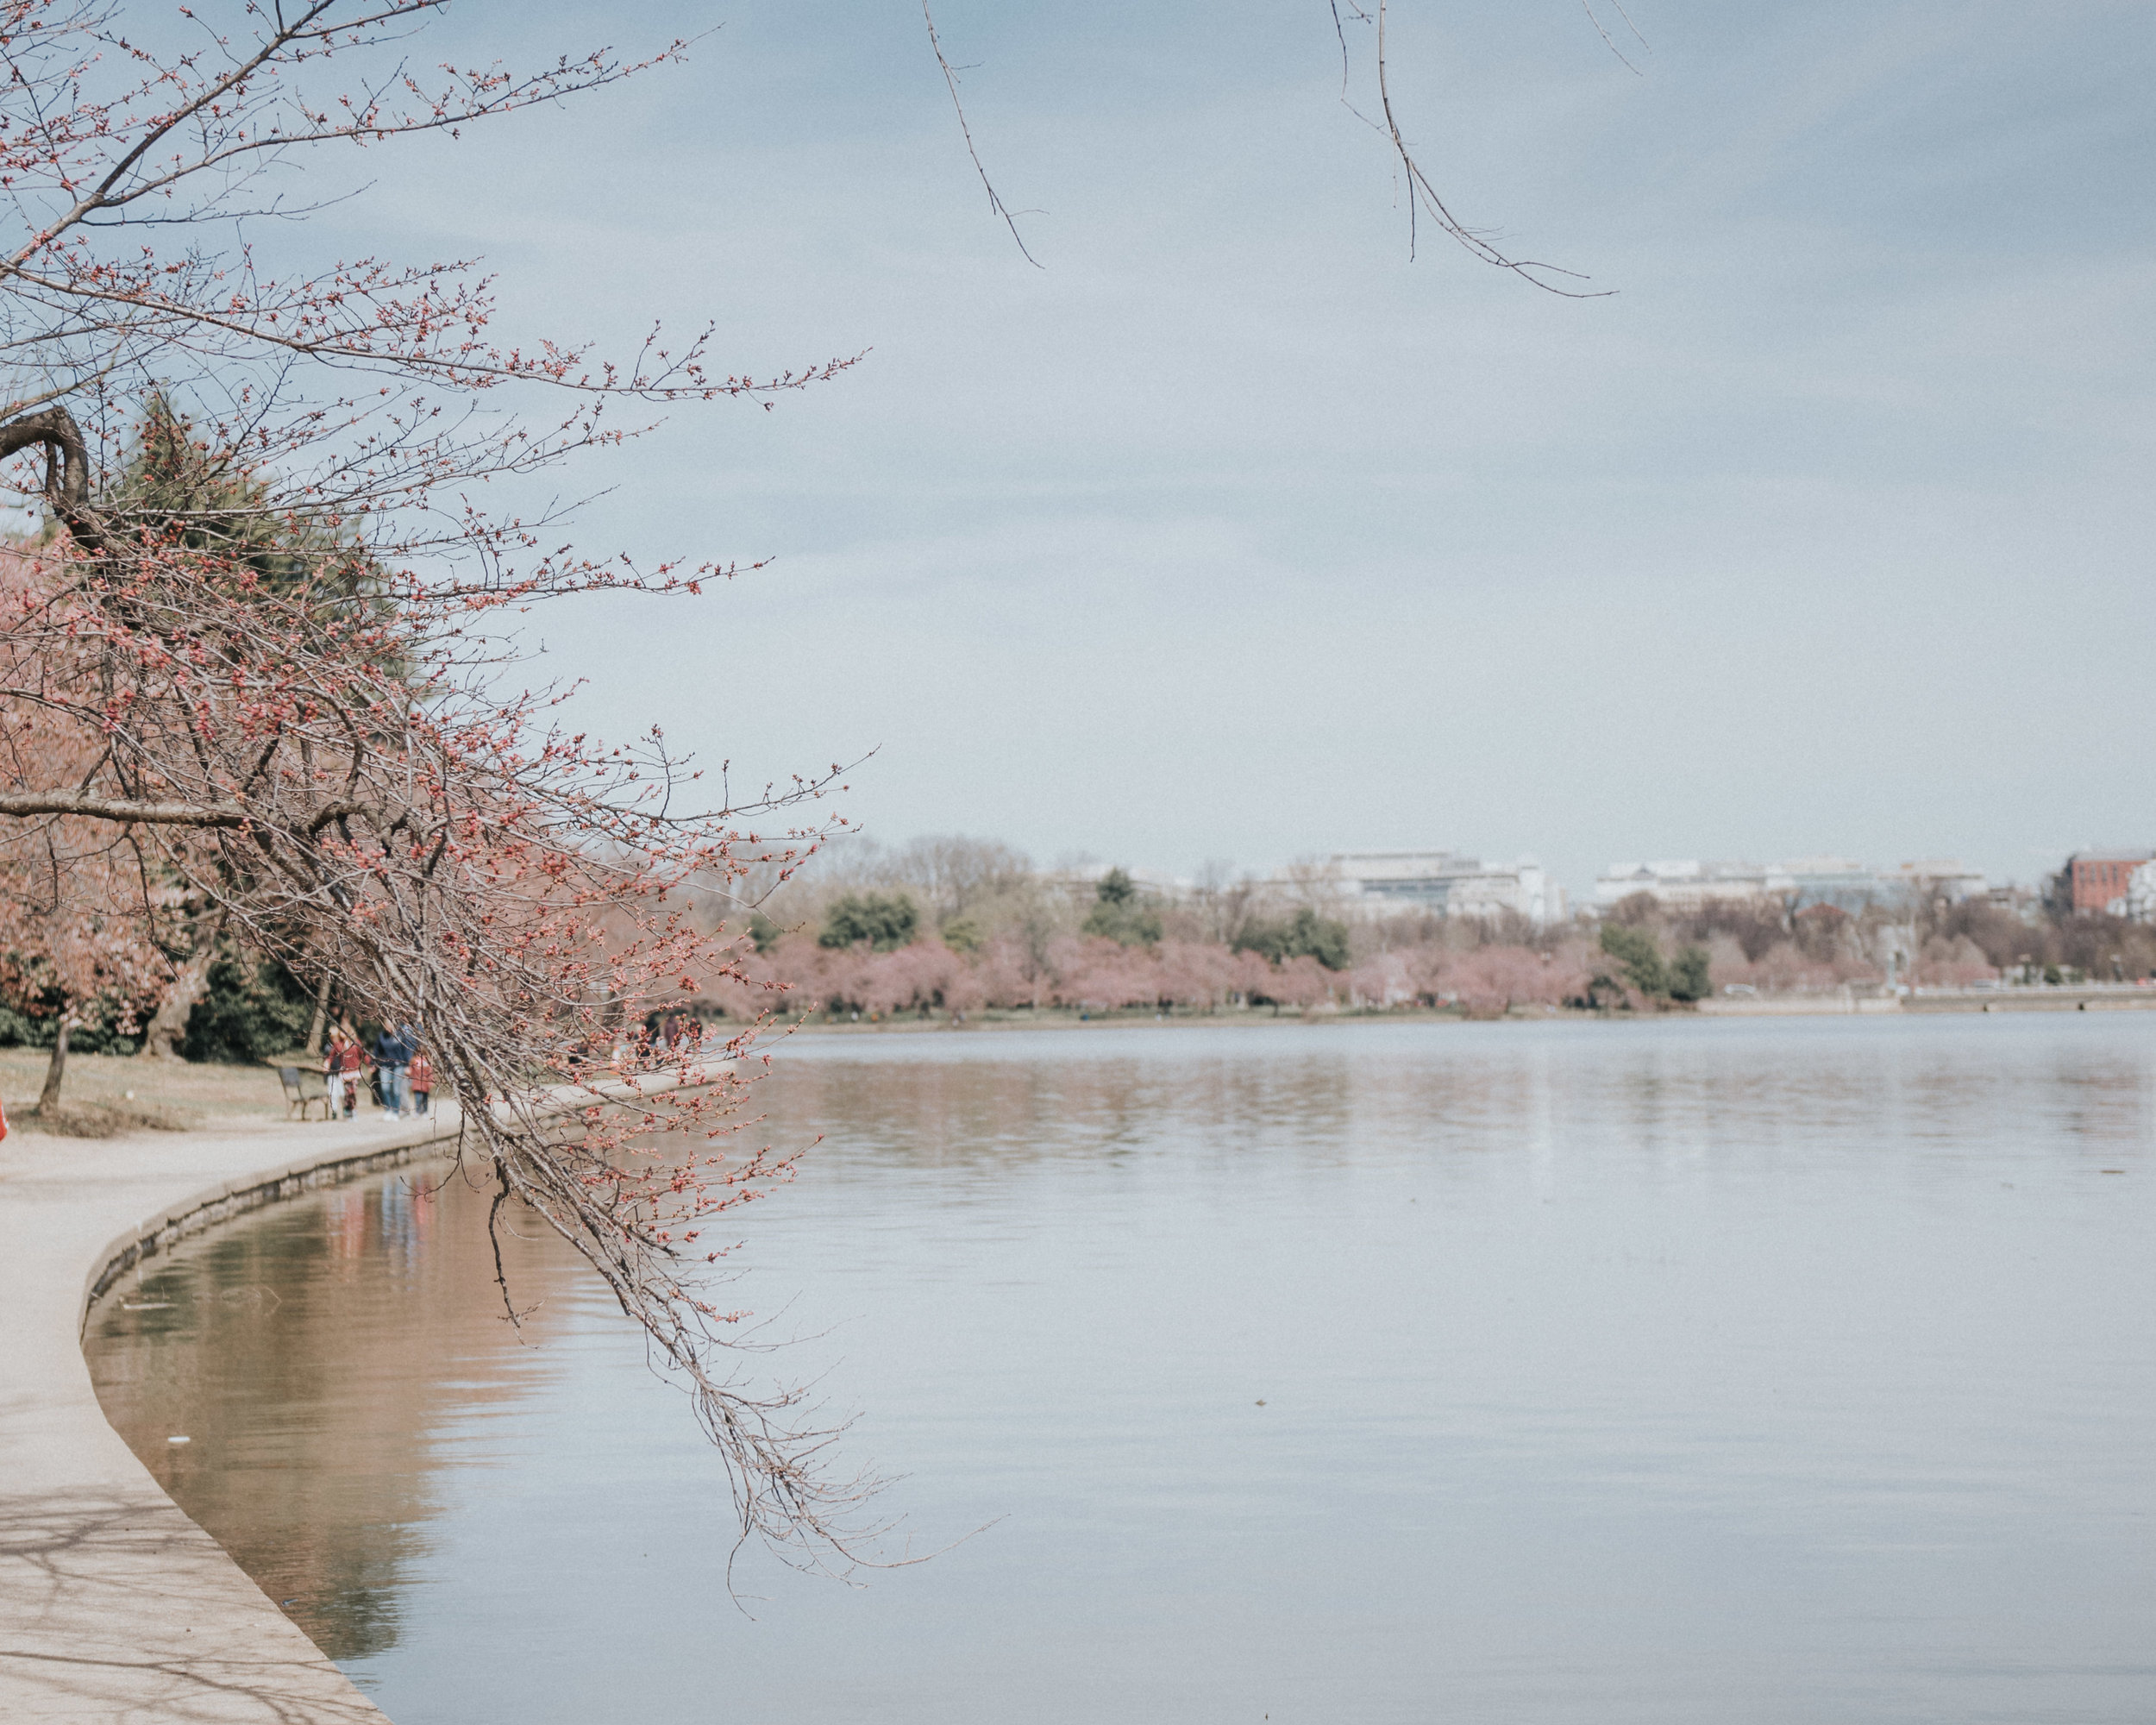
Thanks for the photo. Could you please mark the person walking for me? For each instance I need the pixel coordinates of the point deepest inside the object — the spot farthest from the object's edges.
(343, 1066)
(419, 1080)
(393, 1055)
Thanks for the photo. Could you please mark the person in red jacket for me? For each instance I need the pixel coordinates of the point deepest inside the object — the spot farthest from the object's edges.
(344, 1065)
(419, 1079)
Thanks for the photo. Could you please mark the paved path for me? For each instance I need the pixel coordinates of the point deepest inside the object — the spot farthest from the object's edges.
(114, 1606)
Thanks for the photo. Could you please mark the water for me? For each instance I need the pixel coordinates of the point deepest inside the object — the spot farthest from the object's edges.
(1699, 1371)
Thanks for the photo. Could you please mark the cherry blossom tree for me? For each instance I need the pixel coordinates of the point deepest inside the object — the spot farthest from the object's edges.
(1301, 982)
(1497, 978)
(69, 942)
(1198, 976)
(1380, 981)
(1250, 975)
(325, 751)
(1008, 975)
(964, 988)
(1101, 973)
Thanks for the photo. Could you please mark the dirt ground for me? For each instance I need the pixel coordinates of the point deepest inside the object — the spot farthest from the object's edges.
(170, 1093)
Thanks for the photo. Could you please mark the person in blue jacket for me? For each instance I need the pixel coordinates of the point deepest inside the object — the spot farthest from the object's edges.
(393, 1055)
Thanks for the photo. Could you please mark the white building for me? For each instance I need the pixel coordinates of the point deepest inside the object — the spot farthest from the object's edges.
(1447, 883)
(2139, 902)
(1691, 885)
(1683, 886)
(1940, 878)
(1835, 881)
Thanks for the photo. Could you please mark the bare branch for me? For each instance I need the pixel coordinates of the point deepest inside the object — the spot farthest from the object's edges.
(950, 83)
(1423, 196)
(112, 808)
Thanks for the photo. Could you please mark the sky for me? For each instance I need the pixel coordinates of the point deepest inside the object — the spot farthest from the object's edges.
(1235, 531)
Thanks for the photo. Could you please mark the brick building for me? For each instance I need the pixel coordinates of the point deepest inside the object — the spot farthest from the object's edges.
(2097, 881)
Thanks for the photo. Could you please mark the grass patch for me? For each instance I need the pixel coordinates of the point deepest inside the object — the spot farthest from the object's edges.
(96, 1121)
(105, 1095)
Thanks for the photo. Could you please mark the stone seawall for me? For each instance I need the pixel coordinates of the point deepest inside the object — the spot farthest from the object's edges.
(2061, 999)
(221, 1203)
(114, 1605)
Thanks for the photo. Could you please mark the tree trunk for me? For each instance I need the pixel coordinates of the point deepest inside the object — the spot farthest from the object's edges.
(320, 1024)
(49, 1098)
(160, 1041)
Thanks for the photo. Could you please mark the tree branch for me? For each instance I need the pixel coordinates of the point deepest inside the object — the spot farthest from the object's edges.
(67, 468)
(113, 808)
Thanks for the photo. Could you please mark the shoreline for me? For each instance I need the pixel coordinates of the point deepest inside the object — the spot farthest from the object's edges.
(115, 1605)
(1842, 1005)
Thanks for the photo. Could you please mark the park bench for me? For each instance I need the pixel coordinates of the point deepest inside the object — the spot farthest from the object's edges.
(302, 1089)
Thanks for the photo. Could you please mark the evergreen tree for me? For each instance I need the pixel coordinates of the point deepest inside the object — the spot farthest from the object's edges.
(1688, 975)
(1304, 935)
(1639, 956)
(176, 490)
(1121, 914)
(886, 921)
(249, 1012)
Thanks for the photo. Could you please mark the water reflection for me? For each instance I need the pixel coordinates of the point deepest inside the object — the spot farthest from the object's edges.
(310, 1355)
(1681, 1372)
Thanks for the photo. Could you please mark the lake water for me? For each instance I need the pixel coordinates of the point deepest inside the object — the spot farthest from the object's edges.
(1684, 1370)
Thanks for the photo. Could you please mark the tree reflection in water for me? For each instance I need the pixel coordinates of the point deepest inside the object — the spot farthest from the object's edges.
(317, 1358)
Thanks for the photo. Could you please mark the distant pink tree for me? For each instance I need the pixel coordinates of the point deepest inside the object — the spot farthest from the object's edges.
(1008, 975)
(1301, 983)
(1726, 963)
(964, 987)
(924, 975)
(1505, 976)
(1953, 964)
(818, 978)
(1194, 975)
(1250, 975)
(1782, 969)
(1096, 971)
(1571, 968)
(1382, 981)
(884, 982)
(1426, 968)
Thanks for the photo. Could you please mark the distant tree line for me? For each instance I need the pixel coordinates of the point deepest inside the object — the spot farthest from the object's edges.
(1032, 937)
(929, 911)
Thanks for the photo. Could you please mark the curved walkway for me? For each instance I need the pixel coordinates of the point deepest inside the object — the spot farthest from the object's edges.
(114, 1606)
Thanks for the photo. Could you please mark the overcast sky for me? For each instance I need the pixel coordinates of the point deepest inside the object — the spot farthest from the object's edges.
(1233, 532)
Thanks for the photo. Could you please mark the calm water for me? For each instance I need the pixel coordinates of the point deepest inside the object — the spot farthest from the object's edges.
(1686, 1371)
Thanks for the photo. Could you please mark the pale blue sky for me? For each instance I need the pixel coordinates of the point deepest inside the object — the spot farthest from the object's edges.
(1234, 533)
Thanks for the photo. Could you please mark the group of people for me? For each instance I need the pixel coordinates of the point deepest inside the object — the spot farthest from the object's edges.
(681, 1032)
(681, 1035)
(404, 1073)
